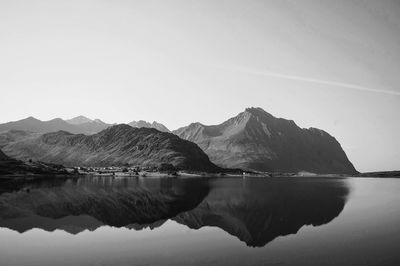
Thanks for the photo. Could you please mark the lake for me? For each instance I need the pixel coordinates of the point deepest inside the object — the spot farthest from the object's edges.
(201, 221)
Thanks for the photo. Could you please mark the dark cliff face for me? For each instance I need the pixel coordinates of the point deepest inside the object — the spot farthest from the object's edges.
(256, 140)
(117, 145)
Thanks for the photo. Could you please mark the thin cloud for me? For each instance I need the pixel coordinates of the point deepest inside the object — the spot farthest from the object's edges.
(310, 80)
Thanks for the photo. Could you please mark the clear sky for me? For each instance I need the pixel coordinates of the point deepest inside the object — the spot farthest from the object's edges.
(328, 64)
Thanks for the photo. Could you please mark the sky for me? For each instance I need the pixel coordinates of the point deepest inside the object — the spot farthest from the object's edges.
(334, 65)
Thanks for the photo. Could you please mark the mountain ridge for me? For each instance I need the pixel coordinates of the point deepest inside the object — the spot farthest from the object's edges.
(77, 125)
(156, 125)
(116, 145)
(35, 125)
(252, 140)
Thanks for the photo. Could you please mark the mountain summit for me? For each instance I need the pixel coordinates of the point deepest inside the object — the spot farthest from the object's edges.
(79, 120)
(156, 125)
(256, 140)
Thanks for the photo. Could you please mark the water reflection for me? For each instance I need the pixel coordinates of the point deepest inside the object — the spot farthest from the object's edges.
(254, 210)
(87, 203)
(257, 211)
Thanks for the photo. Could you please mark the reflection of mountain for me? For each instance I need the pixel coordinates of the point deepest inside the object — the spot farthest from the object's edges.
(257, 211)
(92, 202)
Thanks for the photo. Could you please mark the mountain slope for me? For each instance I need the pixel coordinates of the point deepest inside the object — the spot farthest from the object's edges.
(156, 125)
(7, 137)
(256, 140)
(10, 166)
(117, 145)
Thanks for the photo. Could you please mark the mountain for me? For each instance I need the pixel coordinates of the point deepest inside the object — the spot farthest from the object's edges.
(155, 125)
(256, 140)
(79, 120)
(92, 126)
(76, 125)
(79, 124)
(34, 125)
(117, 145)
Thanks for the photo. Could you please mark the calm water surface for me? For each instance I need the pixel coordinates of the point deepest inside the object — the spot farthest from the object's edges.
(225, 221)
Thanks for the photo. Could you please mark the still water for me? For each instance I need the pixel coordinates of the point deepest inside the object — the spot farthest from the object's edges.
(224, 221)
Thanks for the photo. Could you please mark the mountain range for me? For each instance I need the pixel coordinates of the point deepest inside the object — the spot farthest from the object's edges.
(76, 125)
(256, 140)
(115, 146)
(253, 140)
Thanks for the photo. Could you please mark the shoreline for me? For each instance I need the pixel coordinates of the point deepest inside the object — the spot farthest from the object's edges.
(186, 174)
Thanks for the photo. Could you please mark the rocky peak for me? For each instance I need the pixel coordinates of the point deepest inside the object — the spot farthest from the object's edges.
(98, 121)
(156, 125)
(257, 111)
(159, 126)
(30, 119)
(78, 120)
(196, 125)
